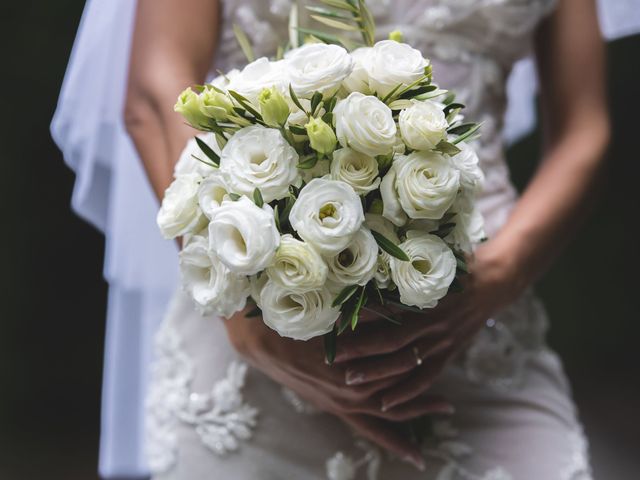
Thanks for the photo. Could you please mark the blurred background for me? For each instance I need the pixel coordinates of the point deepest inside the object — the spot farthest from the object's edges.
(53, 297)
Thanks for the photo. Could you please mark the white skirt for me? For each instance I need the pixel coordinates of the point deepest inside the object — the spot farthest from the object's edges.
(210, 416)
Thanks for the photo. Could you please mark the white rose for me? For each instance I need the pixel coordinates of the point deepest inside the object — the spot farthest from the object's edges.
(188, 164)
(384, 227)
(243, 235)
(426, 278)
(358, 81)
(317, 67)
(180, 213)
(423, 125)
(468, 231)
(212, 191)
(422, 185)
(365, 124)
(297, 266)
(212, 286)
(471, 176)
(260, 157)
(300, 316)
(257, 76)
(356, 169)
(356, 264)
(327, 214)
(393, 63)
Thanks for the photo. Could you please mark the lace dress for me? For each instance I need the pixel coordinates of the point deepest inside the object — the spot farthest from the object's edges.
(210, 416)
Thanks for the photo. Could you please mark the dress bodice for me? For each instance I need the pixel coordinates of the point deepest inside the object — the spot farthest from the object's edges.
(472, 45)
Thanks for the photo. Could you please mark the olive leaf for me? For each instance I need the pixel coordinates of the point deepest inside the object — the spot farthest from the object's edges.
(388, 246)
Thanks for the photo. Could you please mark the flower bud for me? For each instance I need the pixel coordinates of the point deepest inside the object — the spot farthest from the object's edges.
(214, 104)
(188, 105)
(321, 135)
(396, 36)
(273, 106)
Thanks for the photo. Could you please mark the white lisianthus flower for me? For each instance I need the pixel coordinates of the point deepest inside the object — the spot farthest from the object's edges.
(297, 266)
(212, 192)
(327, 214)
(300, 316)
(356, 264)
(358, 81)
(468, 231)
(317, 67)
(365, 124)
(420, 185)
(212, 286)
(426, 278)
(423, 125)
(391, 64)
(180, 213)
(188, 164)
(471, 176)
(384, 227)
(243, 235)
(258, 75)
(356, 169)
(260, 157)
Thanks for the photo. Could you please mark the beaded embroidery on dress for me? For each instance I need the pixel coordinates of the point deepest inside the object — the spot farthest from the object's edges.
(504, 383)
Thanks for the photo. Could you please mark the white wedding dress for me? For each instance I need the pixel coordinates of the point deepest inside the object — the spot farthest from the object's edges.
(210, 416)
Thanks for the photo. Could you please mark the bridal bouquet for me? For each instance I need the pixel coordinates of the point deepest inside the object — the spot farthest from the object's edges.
(324, 179)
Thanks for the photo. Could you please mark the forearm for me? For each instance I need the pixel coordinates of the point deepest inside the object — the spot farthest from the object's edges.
(553, 205)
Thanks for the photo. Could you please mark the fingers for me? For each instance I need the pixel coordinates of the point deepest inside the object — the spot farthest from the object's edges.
(385, 366)
(381, 339)
(386, 436)
(421, 379)
(415, 408)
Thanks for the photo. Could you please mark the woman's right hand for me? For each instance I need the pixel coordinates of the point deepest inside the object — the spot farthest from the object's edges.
(301, 367)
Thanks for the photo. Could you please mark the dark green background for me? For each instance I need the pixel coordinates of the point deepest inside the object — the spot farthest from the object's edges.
(52, 296)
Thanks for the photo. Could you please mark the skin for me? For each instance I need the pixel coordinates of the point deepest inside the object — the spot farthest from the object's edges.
(376, 380)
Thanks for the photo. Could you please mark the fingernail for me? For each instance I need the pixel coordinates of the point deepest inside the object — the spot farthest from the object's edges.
(354, 378)
(416, 461)
(387, 405)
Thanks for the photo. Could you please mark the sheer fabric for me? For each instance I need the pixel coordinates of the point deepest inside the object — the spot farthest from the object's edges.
(111, 191)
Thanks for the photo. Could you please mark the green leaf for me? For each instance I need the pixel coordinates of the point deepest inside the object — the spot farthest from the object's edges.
(246, 104)
(208, 164)
(460, 129)
(315, 101)
(444, 229)
(345, 294)
(294, 97)
(276, 217)
(453, 106)
(419, 91)
(244, 43)
(368, 23)
(257, 198)
(327, 12)
(328, 38)
(330, 22)
(297, 130)
(341, 4)
(391, 248)
(294, 21)
(206, 149)
(468, 134)
(355, 315)
(330, 345)
(461, 265)
(309, 163)
(447, 148)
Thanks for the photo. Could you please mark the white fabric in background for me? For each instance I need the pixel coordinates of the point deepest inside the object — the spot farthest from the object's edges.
(111, 192)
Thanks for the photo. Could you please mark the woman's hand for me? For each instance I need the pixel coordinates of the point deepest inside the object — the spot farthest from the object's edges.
(417, 351)
(301, 367)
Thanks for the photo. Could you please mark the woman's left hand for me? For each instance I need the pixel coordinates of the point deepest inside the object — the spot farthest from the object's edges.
(425, 342)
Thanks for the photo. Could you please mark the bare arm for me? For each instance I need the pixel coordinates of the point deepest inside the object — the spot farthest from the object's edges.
(570, 56)
(173, 46)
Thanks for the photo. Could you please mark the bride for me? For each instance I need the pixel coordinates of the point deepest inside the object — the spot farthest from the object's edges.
(231, 399)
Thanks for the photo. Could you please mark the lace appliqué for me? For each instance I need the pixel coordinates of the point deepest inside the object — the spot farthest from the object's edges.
(578, 467)
(497, 357)
(220, 417)
(344, 467)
